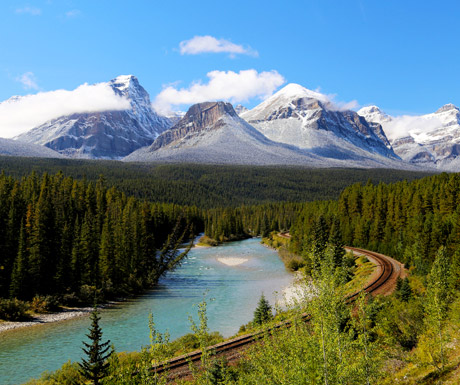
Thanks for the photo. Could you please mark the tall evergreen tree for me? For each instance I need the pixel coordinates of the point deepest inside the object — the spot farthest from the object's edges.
(95, 367)
(263, 312)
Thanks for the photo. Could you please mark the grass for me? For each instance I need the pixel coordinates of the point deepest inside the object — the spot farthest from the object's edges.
(362, 272)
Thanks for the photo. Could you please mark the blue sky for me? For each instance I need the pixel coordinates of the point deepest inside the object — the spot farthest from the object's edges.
(401, 55)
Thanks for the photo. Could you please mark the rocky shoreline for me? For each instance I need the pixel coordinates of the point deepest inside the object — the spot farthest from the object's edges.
(39, 319)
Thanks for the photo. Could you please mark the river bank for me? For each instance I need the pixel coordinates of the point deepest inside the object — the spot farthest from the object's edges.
(39, 319)
(232, 294)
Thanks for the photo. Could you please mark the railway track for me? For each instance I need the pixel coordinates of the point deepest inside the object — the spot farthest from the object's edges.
(383, 282)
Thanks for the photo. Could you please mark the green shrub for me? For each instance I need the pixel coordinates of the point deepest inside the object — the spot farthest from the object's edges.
(44, 304)
(68, 374)
(13, 310)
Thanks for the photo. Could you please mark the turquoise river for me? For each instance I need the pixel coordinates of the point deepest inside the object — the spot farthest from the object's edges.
(232, 295)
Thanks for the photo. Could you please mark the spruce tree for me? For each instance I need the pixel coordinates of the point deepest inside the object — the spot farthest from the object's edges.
(95, 367)
(263, 312)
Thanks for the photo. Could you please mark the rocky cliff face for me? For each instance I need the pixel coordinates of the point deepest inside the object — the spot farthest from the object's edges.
(106, 134)
(200, 117)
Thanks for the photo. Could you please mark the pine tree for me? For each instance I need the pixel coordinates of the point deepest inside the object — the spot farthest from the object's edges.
(263, 312)
(320, 236)
(95, 367)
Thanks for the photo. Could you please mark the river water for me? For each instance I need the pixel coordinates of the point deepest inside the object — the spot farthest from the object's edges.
(232, 296)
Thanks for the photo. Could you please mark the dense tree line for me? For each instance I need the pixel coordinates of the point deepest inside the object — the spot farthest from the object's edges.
(236, 223)
(61, 236)
(209, 186)
(407, 220)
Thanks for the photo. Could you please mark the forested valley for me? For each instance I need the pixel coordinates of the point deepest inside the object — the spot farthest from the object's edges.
(66, 237)
(73, 236)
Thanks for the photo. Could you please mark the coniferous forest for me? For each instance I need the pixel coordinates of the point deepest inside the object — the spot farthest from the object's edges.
(64, 237)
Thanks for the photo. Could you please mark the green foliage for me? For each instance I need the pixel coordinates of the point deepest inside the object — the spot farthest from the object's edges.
(13, 310)
(208, 186)
(403, 289)
(221, 373)
(68, 374)
(400, 323)
(409, 221)
(438, 299)
(336, 346)
(263, 312)
(44, 304)
(95, 367)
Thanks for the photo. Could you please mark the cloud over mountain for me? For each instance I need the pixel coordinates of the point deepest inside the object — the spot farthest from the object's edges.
(235, 87)
(20, 114)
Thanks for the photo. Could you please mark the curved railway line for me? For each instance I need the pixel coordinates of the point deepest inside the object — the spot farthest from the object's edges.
(383, 281)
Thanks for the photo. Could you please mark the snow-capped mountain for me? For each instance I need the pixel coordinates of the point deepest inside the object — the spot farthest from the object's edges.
(212, 132)
(309, 120)
(12, 147)
(431, 139)
(105, 134)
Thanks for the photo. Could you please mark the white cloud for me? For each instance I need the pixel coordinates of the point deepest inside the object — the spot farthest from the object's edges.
(28, 81)
(209, 44)
(415, 126)
(338, 105)
(223, 85)
(73, 13)
(20, 114)
(343, 106)
(29, 10)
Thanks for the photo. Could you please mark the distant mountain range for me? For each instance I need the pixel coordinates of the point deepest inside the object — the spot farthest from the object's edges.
(295, 126)
(426, 140)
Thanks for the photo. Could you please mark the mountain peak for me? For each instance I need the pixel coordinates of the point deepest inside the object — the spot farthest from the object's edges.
(447, 107)
(128, 85)
(124, 81)
(296, 91)
(369, 110)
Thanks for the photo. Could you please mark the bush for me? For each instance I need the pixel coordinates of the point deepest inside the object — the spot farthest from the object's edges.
(13, 310)
(44, 304)
(70, 299)
(205, 240)
(68, 374)
(90, 294)
(190, 342)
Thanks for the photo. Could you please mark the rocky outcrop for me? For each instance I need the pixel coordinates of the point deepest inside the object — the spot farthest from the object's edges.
(200, 117)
